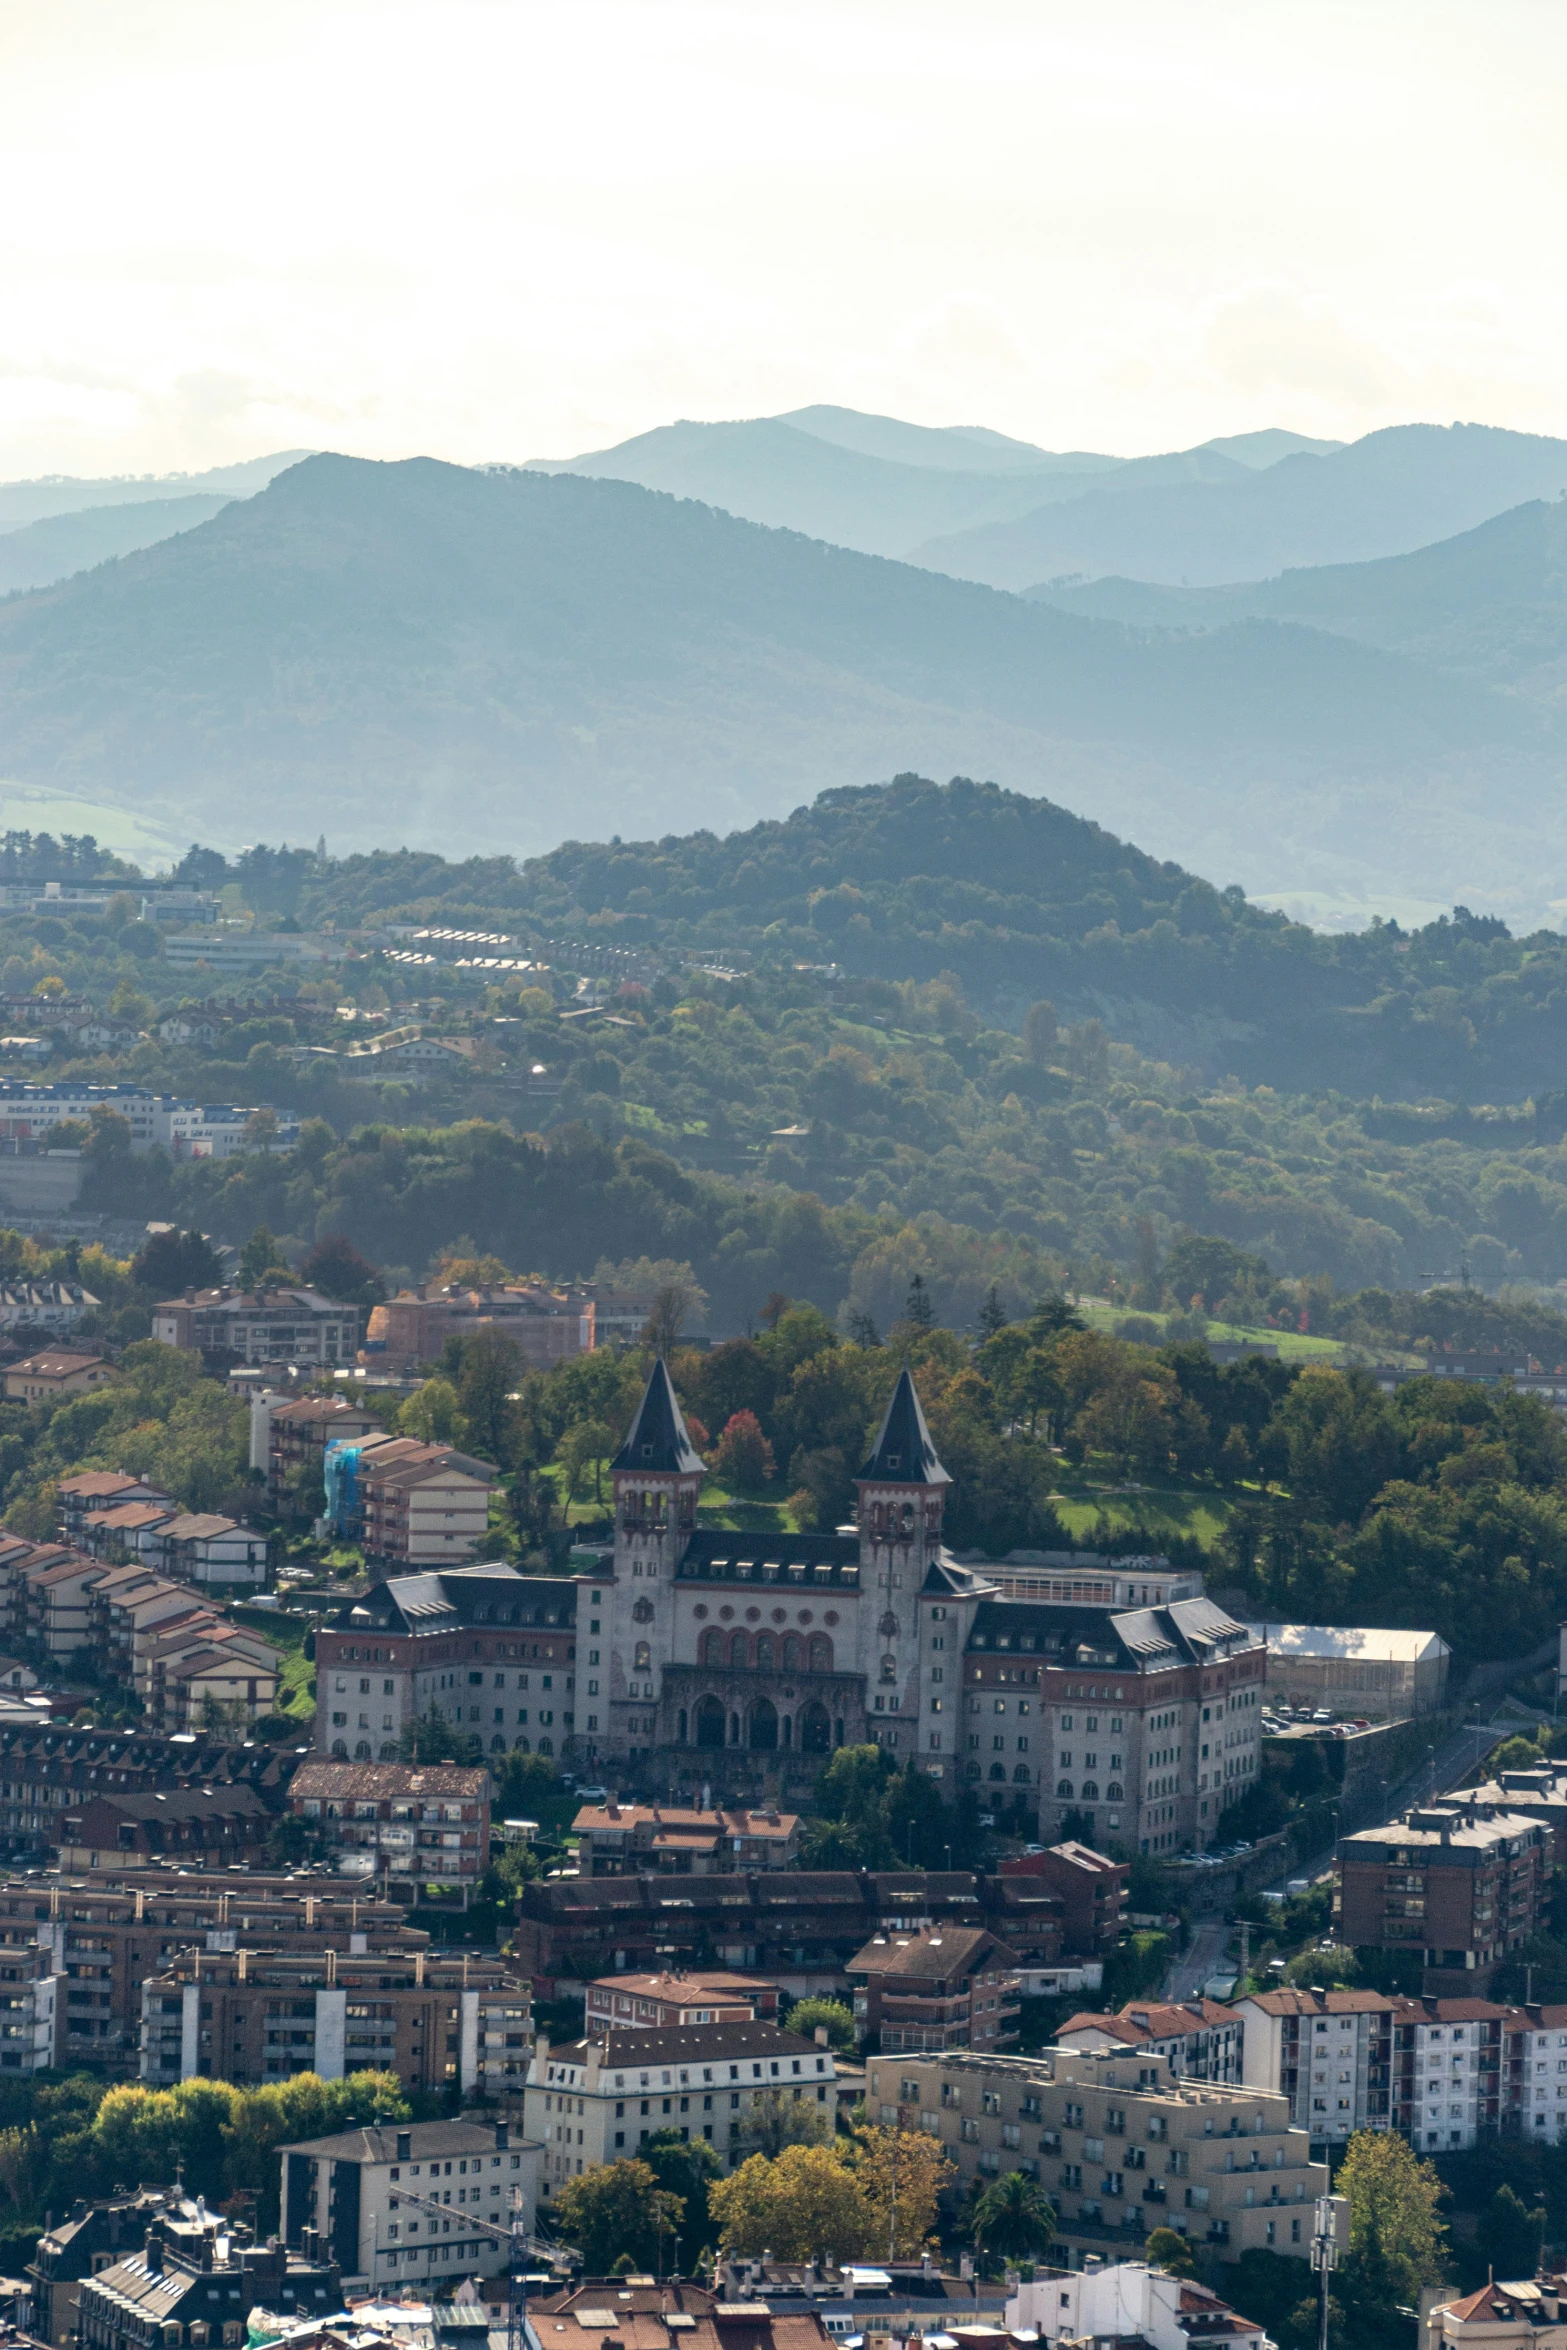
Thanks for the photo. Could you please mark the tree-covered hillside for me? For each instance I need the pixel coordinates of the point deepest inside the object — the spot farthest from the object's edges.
(1019, 899)
(389, 650)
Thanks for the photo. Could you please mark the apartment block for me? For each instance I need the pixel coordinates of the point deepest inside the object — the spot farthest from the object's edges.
(1123, 2145)
(1461, 1884)
(1446, 2073)
(1092, 1890)
(291, 1436)
(48, 1769)
(799, 1928)
(488, 1649)
(60, 1371)
(678, 1841)
(424, 1505)
(215, 1828)
(1200, 2039)
(594, 2101)
(655, 2003)
(32, 2009)
(94, 2237)
(938, 1987)
(547, 1325)
(195, 2280)
(103, 1941)
(296, 1326)
(420, 1822)
(371, 2195)
(257, 2016)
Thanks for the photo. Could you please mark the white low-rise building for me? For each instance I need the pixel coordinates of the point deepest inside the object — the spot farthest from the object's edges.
(1126, 2300)
(403, 2205)
(1356, 1669)
(595, 2101)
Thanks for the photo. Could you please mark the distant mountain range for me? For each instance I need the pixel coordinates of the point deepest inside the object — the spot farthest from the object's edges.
(1489, 605)
(887, 488)
(60, 524)
(467, 659)
(41, 552)
(980, 507)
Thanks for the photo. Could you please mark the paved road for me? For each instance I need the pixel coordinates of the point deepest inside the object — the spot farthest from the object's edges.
(1199, 1960)
(1452, 1765)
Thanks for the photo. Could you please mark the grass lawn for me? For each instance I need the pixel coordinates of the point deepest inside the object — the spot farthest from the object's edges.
(1155, 1510)
(1293, 1345)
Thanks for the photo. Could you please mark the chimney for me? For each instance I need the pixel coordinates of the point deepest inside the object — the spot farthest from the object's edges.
(502, 2136)
(821, 2035)
(405, 2146)
(152, 2256)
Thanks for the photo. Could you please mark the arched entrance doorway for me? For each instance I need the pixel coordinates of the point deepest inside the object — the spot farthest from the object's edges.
(815, 1729)
(709, 1722)
(764, 1725)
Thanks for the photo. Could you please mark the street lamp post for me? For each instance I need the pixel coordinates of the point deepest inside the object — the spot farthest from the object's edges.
(1331, 2238)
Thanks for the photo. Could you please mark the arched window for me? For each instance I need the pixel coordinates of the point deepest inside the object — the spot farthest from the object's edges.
(815, 1729)
(712, 1648)
(340, 1749)
(821, 1653)
(1113, 1793)
(546, 1746)
(1021, 1774)
(791, 1654)
(737, 1649)
(973, 1771)
(644, 1658)
(764, 1652)
(521, 1745)
(362, 1750)
(763, 1726)
(499, 1739)
(1090, 1791)
(998, 1770)
(1063, 1787)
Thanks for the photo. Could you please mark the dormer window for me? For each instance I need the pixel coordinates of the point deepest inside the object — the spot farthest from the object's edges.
(647, 1452)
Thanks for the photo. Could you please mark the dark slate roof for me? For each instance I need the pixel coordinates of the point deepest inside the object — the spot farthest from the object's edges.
(448, 1599)
(658, 1439)
(1123, 1640)
(903, 1453)
(808, 1561)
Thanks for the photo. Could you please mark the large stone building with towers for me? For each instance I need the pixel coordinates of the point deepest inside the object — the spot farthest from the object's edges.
(1119, 1704)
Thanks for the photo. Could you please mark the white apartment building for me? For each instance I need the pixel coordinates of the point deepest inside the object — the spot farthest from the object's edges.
(1128, 2299)
(595, 2101)
(1444, 2072)
(372, 2194)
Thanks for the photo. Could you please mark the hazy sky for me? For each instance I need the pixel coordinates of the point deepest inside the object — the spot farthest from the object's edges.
(495, 229)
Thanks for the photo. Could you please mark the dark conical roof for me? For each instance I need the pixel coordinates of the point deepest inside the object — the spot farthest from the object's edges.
(903, 1453)
(658, 1438)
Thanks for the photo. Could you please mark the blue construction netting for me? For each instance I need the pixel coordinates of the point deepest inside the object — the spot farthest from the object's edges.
(340, 1472)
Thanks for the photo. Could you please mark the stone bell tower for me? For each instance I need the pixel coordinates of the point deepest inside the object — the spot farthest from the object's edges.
(901, 1495)
(657, 1476)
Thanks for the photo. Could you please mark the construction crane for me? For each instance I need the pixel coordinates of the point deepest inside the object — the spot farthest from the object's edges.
(522, 2246)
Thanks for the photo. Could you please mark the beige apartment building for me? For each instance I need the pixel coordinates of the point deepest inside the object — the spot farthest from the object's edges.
(1122, 2144)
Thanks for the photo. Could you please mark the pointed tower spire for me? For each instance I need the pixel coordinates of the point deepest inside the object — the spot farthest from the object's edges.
(658, 1442)
(903, 1453)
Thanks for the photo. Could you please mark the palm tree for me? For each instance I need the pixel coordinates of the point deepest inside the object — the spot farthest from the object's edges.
(1014, 2217)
